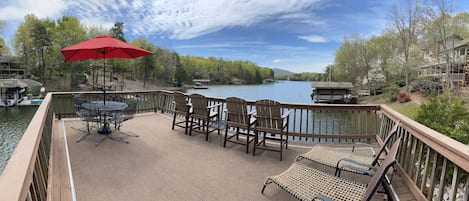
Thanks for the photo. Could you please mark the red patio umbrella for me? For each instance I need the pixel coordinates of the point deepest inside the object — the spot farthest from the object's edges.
(102, 47)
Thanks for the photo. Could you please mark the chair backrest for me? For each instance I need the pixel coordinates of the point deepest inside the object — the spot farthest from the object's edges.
(386, 142)
(116, 98)
(380, 174)
(199, 106)
(87, 114)
(180, 101)
(237, 110)
(269, 114)
(78, 100)
(131, 108)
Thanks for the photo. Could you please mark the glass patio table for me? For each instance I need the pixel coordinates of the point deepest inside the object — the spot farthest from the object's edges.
(104, 109)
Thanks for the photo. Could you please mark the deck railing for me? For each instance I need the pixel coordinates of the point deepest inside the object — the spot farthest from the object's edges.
(27, 173)
(434, 166)
(428, 160)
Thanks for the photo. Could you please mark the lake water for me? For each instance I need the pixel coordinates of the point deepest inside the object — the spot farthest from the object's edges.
(13, 123)
(283, 91)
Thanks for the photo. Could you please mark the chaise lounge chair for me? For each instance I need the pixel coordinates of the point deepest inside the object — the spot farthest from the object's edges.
(348, 161)
(307, 183)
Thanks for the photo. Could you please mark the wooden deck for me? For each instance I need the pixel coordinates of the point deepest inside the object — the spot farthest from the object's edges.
(163, 164)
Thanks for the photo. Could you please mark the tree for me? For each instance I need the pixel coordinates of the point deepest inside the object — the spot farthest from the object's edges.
(385, 48)
(438, 30)
(41, 40)
(181, 74)
(118, 31)
(354, 60)
(4, 50)
(22, 42)
(69, 31)
(405, 20)
(258, 77)
(147, 63)
(459, 24)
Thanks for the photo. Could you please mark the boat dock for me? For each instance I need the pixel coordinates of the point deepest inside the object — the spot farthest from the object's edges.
(14, 92)
(333, 92)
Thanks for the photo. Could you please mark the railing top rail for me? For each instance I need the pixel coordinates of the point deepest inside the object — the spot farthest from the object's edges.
(109, 92)
(453, 150)
(17, 175)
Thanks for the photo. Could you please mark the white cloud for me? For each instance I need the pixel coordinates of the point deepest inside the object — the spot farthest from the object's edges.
(277, 60)
(235, 44)
(16, 10)
(97, 22)
(214, 45)
(314, 39)
(186, 19)
(286, 48)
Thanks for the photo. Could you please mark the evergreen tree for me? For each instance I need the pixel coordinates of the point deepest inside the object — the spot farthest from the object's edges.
(118, 31)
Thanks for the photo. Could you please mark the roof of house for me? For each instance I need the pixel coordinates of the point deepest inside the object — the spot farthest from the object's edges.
(464, 42)
(332, 85)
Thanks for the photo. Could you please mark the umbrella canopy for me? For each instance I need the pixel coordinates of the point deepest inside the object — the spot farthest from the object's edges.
(103, 46)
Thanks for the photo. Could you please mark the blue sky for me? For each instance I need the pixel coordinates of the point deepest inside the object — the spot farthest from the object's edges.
(295, 35)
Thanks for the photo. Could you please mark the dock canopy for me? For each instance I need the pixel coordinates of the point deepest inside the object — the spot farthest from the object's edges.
(204, 81)
(31, 83)
(18, 83)
(332, 85)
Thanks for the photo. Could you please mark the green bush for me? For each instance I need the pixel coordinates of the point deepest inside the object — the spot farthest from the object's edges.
(447, 115)
(390, 92)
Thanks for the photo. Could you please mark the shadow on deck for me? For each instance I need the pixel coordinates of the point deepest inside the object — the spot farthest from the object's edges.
(163, 164)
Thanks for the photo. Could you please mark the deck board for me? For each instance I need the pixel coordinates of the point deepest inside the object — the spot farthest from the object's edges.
(59, 186)
(163, 164)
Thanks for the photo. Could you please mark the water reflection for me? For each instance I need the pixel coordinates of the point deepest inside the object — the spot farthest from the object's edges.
(13, 123)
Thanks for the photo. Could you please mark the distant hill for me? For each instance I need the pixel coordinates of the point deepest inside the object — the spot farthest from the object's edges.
(278, 71)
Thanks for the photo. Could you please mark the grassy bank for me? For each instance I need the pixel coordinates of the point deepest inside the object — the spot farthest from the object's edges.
(408, 109)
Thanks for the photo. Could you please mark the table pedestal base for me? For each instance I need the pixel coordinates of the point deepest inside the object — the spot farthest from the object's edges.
(105, 130)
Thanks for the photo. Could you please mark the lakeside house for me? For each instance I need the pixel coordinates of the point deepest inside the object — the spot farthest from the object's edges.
(10, 67)
(448, 64)
(15, 88)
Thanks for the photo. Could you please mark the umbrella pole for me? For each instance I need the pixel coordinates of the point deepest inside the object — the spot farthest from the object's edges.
(104, 74)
